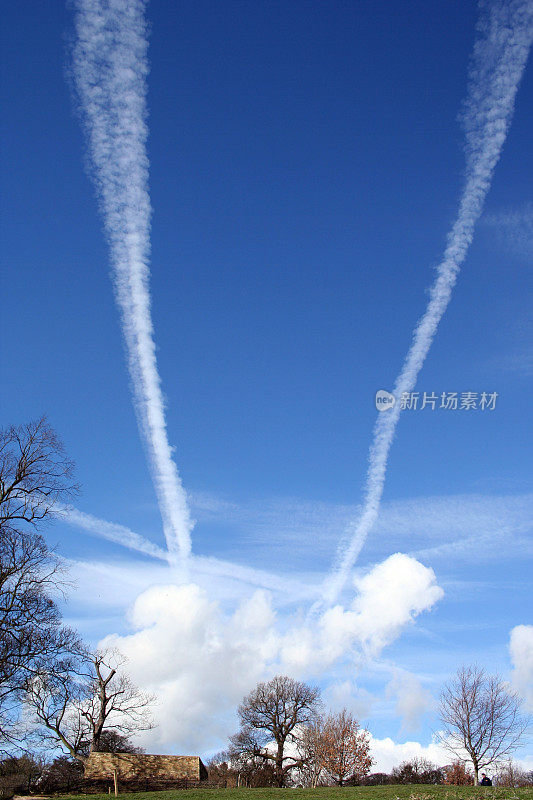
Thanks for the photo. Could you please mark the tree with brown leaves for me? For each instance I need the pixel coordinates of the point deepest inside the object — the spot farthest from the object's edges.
(345, 748)
(457, 774)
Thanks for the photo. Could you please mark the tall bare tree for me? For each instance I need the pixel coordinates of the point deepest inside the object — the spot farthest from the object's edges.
(35, 478)
(78, 701)
(269, 716)
(481, 718)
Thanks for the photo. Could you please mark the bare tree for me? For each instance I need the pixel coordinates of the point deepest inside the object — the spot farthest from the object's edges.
(269, 716)
(222, 771)
(345, 748)
(511, 775)
(78, 701)
(54, 696)
(310, 747)
(111, 741)
(113, 699)
(417, 770)
(35, 474)
(244, 754)
(31, 633)
(242, 764)
(19, 774)
(63, 774)
(35, 477)
(481, 718)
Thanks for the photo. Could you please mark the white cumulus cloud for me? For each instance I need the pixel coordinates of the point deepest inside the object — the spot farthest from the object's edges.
(388, 754)
(197, 661)
(200, 660)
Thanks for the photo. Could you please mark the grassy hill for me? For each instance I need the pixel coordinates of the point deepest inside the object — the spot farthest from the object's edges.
(396, 792)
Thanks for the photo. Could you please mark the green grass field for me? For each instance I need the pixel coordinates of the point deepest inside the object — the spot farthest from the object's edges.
(396, 792)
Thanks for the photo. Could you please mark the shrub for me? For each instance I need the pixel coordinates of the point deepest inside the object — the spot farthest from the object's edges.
(457, 774)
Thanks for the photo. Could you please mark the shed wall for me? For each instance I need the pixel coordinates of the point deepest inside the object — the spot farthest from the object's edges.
(130, 767)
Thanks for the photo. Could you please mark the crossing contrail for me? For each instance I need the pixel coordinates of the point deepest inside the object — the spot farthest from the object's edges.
(498, 62)
(206, 566)
(110, 66)
(113, 532)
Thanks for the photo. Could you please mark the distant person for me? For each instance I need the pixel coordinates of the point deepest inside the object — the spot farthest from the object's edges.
(485, 780)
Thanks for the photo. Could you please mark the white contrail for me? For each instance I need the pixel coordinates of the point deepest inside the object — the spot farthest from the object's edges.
(111, 531)
(109, 67)
(498, 61)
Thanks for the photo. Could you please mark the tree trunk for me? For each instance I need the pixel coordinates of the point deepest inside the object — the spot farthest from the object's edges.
(280, 778)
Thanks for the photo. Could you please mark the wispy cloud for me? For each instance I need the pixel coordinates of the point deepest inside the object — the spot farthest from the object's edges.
(109, 67)
(278, 530)
(513, 229)
(494, 544)
(412, 699)
(518, 361)
(498, 62)
(120, 581)
(275, 532)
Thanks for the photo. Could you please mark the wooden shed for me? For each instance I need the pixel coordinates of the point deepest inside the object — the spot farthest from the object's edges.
(144, 770)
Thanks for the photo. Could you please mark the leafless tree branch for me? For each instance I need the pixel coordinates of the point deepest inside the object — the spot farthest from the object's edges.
(481, 718)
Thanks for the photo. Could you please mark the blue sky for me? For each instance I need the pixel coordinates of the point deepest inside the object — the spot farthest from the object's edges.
(306, 162)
